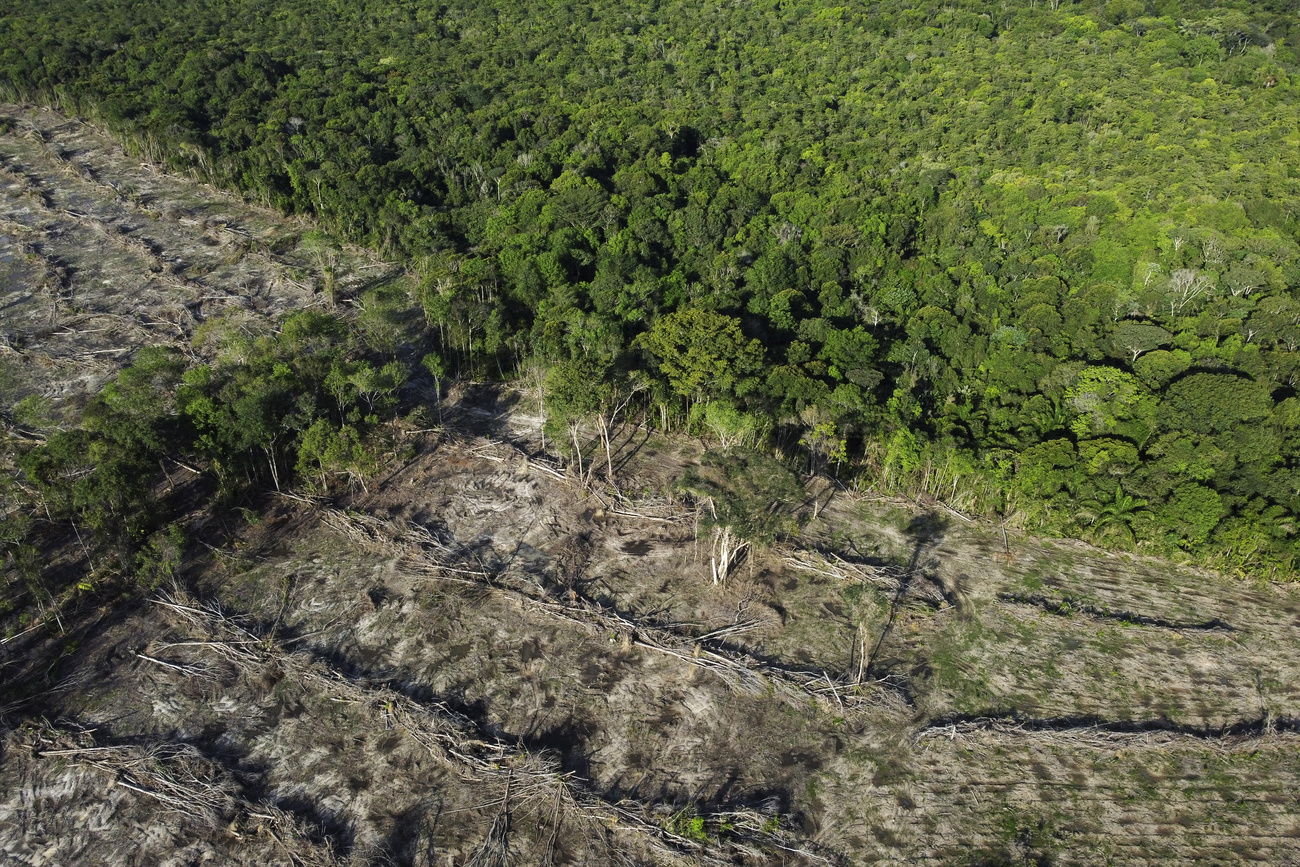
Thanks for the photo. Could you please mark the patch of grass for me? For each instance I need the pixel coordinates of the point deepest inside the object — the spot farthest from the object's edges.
(1032, 583)
(689, 823)
(955, 664)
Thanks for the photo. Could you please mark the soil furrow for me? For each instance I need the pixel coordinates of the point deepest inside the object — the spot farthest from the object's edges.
(1015, 722)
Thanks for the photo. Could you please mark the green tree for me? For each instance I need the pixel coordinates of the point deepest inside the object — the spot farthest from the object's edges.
(1119, 515)
(326, 450)
(580, 390)
(437, 367)
(1214, 402)
(730, 426)
(1131, 339)
(1109, 401)
(1191, 514)
(1157, 368)
(702, 353)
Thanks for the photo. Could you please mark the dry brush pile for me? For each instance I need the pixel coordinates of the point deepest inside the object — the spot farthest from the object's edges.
(508, 776)
(101, 254)
(482, 659)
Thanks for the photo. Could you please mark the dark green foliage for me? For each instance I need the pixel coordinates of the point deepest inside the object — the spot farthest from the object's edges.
(159, 558)
(270, 406)
(1213, 403)
(302, 400)
(748, 492)
(1049, 247)
(101, 476)
(20, 560)
(579, 391)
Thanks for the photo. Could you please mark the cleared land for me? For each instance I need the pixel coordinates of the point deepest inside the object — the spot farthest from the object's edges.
(101, 254)
(478, 661)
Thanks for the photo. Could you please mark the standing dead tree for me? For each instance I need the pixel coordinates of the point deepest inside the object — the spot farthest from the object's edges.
(1186, 285)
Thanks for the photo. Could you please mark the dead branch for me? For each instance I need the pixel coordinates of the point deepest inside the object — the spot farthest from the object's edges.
(726, 551)
(183, 781)
(837, 568)
(494, 851)
(450, 737)
(426, 554)
(187, 670)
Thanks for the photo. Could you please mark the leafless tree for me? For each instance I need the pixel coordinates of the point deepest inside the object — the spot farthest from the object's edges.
(1186, 285)
(727, 548)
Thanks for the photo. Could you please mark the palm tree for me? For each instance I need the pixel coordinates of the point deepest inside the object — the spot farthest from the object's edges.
(1119, 515)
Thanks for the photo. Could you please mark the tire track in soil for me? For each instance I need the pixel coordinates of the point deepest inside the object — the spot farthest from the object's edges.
(127, 238)
(1066, 606)
(1013, 721)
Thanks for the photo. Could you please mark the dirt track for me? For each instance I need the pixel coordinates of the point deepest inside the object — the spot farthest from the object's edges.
(478, 656)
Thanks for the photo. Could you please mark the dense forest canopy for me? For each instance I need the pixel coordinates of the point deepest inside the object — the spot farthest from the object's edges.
(1035, 258)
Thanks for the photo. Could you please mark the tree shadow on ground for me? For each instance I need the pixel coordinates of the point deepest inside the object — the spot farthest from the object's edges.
(926, 532)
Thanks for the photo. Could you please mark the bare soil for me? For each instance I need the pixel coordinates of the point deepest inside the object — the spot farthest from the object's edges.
(479, 660)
